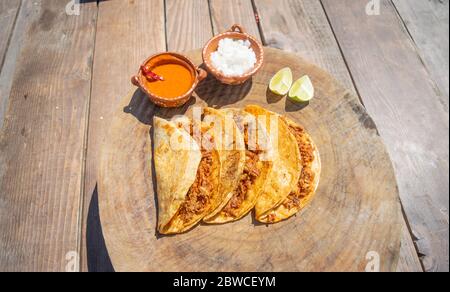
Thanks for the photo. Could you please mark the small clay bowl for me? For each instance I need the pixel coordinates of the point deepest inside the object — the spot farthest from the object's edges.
(198, 74)
(236, 32)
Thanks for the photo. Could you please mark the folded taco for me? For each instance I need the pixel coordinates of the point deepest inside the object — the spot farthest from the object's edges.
(229, 143)
(308, 182)
(187, 177)
(285, 173)
(256, 168)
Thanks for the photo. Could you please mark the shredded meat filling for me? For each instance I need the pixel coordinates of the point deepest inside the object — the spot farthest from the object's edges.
(305, 183)
(252, 170)
(197, 199)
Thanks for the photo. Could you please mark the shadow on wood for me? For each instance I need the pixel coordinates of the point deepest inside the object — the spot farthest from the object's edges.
(97, 255)
(218, 95)
(294, 107)
(141, 108)
(144, 110)
(272, 97)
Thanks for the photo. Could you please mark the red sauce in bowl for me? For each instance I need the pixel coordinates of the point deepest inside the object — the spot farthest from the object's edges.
(178, 78)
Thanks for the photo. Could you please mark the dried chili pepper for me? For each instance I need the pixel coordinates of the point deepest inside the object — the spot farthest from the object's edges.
(151, 76)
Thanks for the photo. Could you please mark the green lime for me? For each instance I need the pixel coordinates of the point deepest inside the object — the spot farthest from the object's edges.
(281, 82)
(302, 90)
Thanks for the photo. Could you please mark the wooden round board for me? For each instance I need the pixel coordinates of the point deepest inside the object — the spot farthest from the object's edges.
(353, 222)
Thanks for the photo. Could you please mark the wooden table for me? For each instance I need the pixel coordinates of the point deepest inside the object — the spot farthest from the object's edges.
(62, 76)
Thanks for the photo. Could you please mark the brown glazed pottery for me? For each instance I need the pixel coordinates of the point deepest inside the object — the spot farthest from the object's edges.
(197, 73)
(236, 32)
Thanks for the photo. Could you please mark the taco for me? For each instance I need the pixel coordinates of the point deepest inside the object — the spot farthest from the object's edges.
(187, 177)
(229, 143)
(283, 178)
(256, 168)
(308, 182)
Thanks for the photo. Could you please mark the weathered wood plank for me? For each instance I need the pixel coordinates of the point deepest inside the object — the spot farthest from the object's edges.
(226, 13)
(127, 33)
(400, 95)
(427, 23)
(179, 38)
(9, 10)
(8, 13)
(188, 24)
(41, 144)
(302, 27)
(408, 261)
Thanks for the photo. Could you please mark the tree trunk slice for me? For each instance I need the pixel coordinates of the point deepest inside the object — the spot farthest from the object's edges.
(355, 213)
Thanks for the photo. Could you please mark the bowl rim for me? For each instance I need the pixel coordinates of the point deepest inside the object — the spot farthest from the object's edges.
(165, 99)
(218, 73)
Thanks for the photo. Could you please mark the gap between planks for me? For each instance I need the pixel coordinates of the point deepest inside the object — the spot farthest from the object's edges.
(81, 207)
(258, 23)
(8, 52)
(411, 53)
(9, 37)
(270, 22)
(405, 218)
(166, 36)
(343, 57)
(113, 41)
(22, 27)
(420, 54)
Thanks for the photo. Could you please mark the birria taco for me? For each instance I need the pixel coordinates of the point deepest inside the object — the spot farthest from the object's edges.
(256, 168)
(308, 182)
(287, 166)
(229, 143)
(187, 175)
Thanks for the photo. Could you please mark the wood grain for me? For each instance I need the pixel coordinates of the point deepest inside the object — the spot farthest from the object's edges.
(400, 95)
(123, 40)
(41, 143)
(408, 260)
(188, 24)
(352, 213)
(8, 14)
(427, 23)
(226, 13)
(9, 10)
(302, 27)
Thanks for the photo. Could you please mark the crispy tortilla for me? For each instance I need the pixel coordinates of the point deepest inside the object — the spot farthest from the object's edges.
(308, 182)
(287, 167)
(251, 180)
(185, 199)
(229, 143)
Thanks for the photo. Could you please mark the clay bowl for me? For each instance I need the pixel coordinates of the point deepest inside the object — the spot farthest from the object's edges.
(236, 32)
(140, 80)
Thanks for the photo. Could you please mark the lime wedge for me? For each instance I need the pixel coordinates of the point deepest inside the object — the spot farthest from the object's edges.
(281, 82)
(302, 90)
